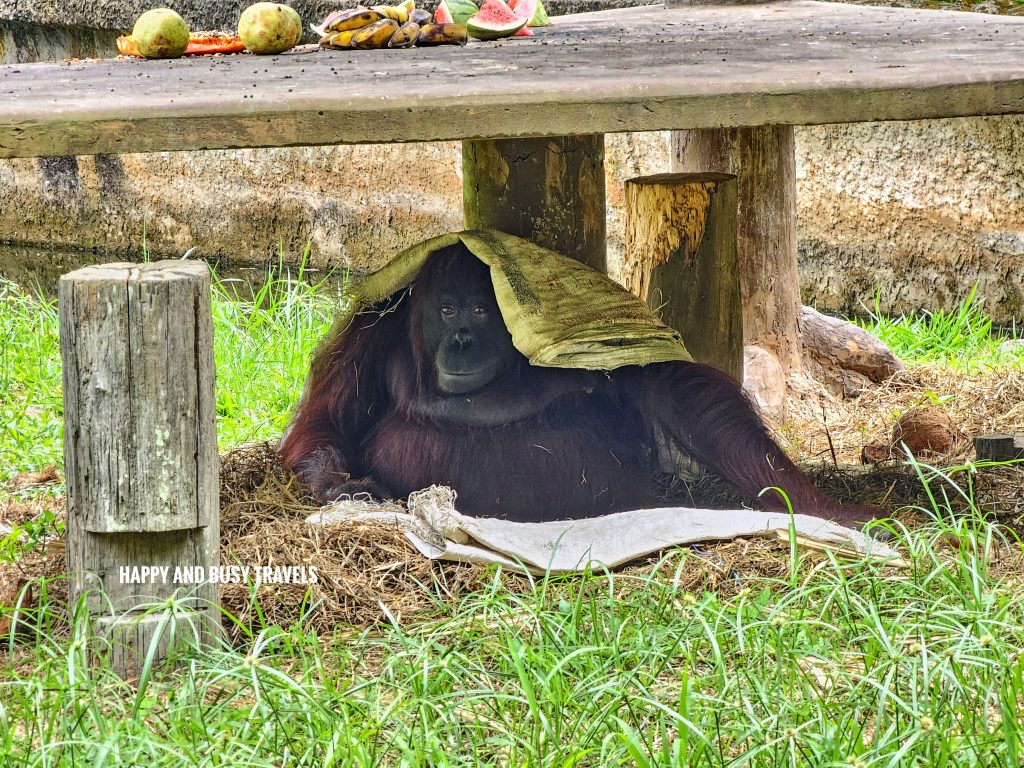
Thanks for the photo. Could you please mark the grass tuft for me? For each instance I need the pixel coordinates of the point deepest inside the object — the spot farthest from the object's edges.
(264, 338)
(962, 339)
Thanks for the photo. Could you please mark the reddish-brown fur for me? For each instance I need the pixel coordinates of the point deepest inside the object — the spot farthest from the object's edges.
(587, 450)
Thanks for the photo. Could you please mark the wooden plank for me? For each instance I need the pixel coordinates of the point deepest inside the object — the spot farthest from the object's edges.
(549, 191)
(635, 69)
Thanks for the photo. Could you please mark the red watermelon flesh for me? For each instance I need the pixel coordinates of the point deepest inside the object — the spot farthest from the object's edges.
(525, 31)
(533, 10)
(494, 20)
(442, 15)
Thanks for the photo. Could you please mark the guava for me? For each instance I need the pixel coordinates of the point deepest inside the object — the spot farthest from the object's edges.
(269, 28)
(160, 34)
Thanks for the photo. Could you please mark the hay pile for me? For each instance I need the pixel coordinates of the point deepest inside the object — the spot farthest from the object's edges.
(364, 570)
(367, 571)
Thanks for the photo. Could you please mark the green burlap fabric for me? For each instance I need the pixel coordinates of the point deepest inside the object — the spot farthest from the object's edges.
(561, 313)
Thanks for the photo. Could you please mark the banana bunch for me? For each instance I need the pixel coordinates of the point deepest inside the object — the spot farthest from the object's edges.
(387, 26)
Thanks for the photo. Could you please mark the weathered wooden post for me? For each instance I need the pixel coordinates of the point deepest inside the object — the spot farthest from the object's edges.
(550, 191)
(140, 449)
(764, 161)
(681, 259)
(999, 447)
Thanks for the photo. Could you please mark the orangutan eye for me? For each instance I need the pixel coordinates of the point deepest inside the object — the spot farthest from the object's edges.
(447, 310)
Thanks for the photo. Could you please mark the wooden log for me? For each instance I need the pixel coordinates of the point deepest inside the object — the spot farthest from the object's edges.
(140, 447)
(680, 257)
(842, 356)
(999, 447)
(549, 191)
(763, 161)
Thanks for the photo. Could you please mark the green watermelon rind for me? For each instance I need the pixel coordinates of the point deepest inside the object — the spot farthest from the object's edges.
(461, 10)
(493, 30)
(495, 21)
(539, 17)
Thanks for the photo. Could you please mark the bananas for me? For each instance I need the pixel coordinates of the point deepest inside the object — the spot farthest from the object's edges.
(406, 36)
(387, 26)
(357, 18)
(443, 34)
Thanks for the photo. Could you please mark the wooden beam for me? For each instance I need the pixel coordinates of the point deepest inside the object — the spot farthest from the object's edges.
(681, 259)
(633, 69)
(549, 191)
(140, 447)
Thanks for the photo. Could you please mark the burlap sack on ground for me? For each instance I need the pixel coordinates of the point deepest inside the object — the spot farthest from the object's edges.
(560, 312)
(434, 526)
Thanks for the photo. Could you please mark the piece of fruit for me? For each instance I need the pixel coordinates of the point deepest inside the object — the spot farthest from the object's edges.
(459, 11)
(442, 34)
(322, 28)
(160, 34)
(339, 39)
(392, 12)
(199, 44)
(442, 15)
(376, 35)
(531, 10)
(408, 6)
(296, 22)
(357, 18)
(494, 20)
(406, 36)
(267, 28)
(420, 16)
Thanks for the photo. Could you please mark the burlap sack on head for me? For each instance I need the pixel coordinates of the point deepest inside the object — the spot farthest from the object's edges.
(560, 312)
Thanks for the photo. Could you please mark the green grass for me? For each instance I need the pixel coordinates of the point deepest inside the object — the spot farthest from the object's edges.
(962, 339)
(262, 347)
(843, 664)
(838, 663)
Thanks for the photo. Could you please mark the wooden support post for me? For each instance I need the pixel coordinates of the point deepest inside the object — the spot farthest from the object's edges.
(140, 449)
(681, 259)
(550, 191)
(999, 447)
(764, 161)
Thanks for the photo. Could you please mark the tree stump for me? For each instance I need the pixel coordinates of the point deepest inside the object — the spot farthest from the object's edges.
(140, 450)
(680, 258)
(549, 191)
(764, 161)
(999, 447)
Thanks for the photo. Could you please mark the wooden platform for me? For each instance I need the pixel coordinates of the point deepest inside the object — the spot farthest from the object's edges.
(623, 70)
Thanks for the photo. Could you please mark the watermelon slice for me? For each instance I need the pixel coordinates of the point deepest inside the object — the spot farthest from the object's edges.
(458, 11)
(442, 15)
(494, 20)
(531, 10)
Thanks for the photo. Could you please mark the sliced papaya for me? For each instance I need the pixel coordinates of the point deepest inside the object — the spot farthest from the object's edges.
(199, 44)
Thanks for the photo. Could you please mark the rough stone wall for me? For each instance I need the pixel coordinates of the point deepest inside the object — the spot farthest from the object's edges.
(921, 209)
(355, 205)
